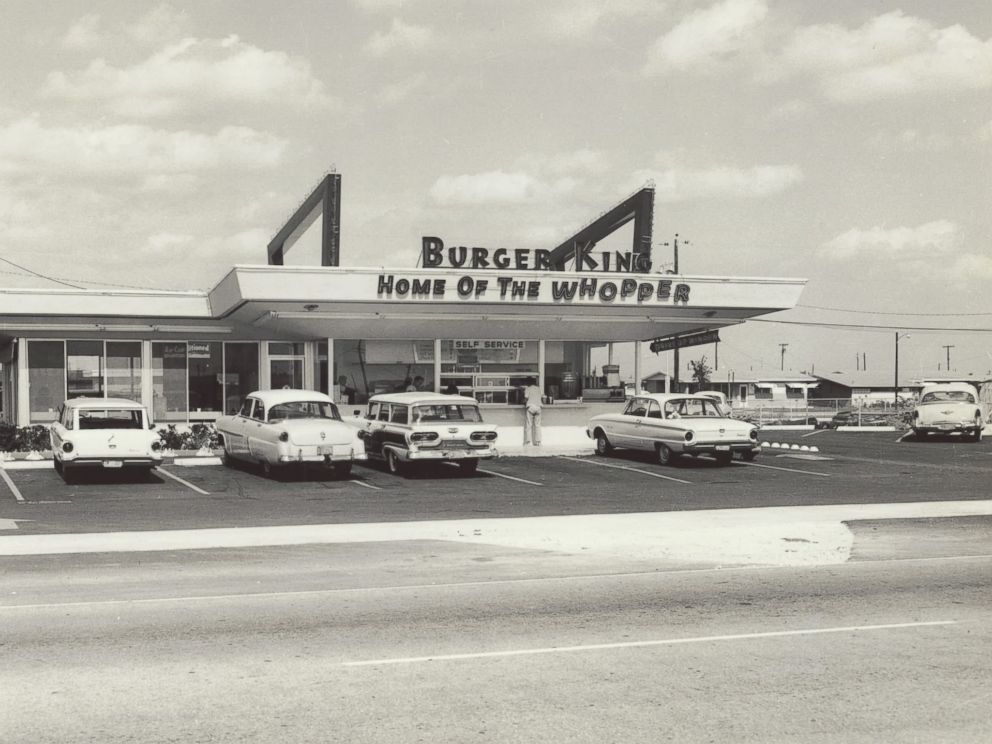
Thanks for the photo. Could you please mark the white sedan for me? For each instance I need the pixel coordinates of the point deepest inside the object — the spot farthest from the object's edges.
(949, 407)
(280, 428)
(674, 424)
(103, 434)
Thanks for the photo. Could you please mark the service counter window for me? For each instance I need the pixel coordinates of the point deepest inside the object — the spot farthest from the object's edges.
(124, 370)
(365, 368)
(571, 372)
(493, 371)
(84, 369)
(169, 384)
(46, 379)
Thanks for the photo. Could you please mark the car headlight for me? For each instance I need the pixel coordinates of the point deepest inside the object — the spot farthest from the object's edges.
(156, 445)
(67, 446)
(284, 436)
(753, 434)
(689, 436)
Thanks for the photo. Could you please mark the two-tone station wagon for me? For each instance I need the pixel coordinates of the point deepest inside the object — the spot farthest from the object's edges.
(401, 428)
(103, 434)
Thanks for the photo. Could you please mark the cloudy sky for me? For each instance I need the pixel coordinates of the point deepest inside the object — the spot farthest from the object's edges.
(156, 145)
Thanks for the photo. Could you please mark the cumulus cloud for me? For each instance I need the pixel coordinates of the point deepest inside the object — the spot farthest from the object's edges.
(577, 19)
(707, 37)
(27, 146)
(891, 55)
(494, 187)
(401, 37)
(162, 22)
(193, 74)
(932, 238)
(683, 184)
(910, 140)
(83, 34)
(401, 90)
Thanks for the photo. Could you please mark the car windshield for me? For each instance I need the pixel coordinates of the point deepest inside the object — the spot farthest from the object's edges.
(446, 412)
(303, 409)
(110, 418)
(942, 396)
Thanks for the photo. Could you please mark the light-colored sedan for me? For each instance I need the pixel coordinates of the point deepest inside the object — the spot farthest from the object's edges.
(281, 428)
(401, 428)
(948, 408)
(675, 424)
(103, 434)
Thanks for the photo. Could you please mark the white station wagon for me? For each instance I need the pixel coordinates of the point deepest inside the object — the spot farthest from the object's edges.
(409, 427)
(281, 428)
(103, 433)
(947, 408)
(675, 424)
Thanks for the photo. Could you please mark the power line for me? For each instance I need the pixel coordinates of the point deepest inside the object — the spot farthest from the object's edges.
(37, 274)
(879, 312)
(857, 326)
(66, 280)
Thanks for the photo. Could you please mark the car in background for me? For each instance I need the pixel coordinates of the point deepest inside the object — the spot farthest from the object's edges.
(278, 429)
(844, 417)
(949, 408)
(109, 434)
(720, 398)
(675, 424)
(404, 428)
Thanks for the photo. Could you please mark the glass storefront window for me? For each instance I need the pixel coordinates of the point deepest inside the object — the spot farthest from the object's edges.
(124, 370)
(240, 373)
(206, 386)
(46, 379)
(378, 366)
(84, 369)
(286, 365)
(169, 401)
(320, 368)
(570, 374)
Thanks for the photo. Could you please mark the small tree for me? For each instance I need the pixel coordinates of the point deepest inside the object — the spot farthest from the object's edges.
(700, 372)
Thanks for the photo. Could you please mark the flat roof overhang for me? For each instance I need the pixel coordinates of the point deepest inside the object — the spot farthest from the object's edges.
(336, 302)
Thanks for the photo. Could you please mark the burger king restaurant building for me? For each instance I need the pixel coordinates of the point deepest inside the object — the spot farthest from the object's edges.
(481, 320)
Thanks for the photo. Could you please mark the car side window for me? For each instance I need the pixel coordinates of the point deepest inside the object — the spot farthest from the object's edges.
(373, 412)
(630, 407)
(400, 415)
(654, 410)
(640, 407)
(384, 412)
(258, 411)
(245, 409)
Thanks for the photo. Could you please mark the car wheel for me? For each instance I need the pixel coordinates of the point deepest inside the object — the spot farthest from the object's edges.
(665, 455)
(394, 463)
(748, 456)
(225, 457)
(469, 466)
(342, 469)
(724, 458)
(603, 446)
(57, 464)
(267, 469)
(68, 474)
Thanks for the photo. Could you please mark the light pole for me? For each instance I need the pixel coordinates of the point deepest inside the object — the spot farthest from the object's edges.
(895, 386)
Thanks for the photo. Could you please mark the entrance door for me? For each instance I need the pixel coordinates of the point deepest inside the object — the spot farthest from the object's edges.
(286, 374)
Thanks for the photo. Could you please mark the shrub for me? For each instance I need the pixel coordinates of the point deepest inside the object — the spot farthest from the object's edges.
(198, 436)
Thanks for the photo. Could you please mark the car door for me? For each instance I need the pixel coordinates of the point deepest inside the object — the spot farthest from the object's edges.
(234, 429)
(375, 427)
(628, 432)
(649, 428)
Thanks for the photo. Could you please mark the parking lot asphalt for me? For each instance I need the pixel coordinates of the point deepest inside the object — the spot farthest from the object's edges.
(849, 468)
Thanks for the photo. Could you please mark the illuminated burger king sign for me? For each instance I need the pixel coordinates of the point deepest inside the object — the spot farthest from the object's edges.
(637, 287)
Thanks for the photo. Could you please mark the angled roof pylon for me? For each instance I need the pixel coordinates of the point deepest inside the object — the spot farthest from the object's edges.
(638, 207)
(324, 200)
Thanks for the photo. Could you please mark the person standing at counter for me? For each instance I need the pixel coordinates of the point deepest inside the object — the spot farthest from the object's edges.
(532, 413)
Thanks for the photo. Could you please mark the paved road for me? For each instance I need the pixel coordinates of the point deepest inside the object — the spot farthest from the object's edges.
(406, 642)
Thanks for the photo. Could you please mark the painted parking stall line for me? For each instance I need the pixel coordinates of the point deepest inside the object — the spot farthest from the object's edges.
(10, 484)
(632, 470)
(366, 485)
(510, 477)
(648, 644)
(777, 467)
(176, 478)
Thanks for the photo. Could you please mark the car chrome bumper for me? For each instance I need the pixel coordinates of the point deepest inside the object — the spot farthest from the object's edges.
(447, 454)
(324, 458)
(696, 448)
(112, 462)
